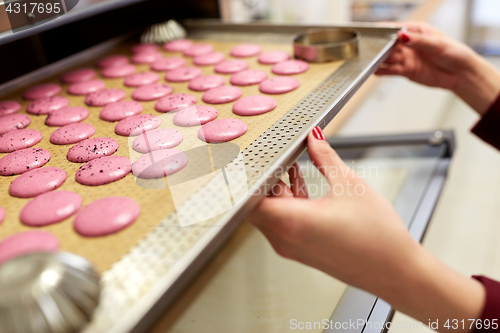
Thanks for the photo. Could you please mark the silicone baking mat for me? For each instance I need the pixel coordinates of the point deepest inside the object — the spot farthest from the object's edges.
(155, 204)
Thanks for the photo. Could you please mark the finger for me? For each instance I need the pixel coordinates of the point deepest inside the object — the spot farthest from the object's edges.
(395, 58)
(297, 182)
(421, 42)
(281, 190)
(394, 69)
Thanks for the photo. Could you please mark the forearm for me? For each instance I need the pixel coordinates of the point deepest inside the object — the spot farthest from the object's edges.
(480, 85)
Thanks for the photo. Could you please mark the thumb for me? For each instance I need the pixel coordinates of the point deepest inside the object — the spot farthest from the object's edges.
(420, 41)
(325, 158)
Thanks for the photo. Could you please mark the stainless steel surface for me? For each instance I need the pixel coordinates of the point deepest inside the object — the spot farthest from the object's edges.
(326, 44)
(163, 32)
(47, 293)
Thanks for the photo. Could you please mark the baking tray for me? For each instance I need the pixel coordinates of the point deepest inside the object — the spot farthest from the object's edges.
(137, 287)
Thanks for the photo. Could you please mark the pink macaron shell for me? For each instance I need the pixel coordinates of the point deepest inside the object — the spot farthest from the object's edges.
(12, 122)
(167, 64)
(279, 85)
(198, 49)
(23, 160)
(205, 82)
(19, 139)
(36, 182)
(27, 242)
(245, 50)
(273, 57)
(290, 67)
(120, 110)
(208, 59)
(47, 104)
(9, 107)
(2, 217)
(106, 216)
(248, 77)
(175, 102)
(105, 96)
(103, 170)
(151, 92)
(79, 75)
(42, 91)
(160, 138)
(221, 95)
(254, 105)
(146, 57)
(50, 208)
(140, 79)
(72, 133)
(195, 115)
(178, 45)
(144, 47)
(66, 116)
(222, 130)
(182, 74)
(86, 87)
(231, 66)
(112, 61)
(136, 125)
(118, 71)
(159, 163)
(90, 149)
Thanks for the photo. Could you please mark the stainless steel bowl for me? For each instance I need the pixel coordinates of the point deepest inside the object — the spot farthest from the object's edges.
(326, 44)
(47, 293)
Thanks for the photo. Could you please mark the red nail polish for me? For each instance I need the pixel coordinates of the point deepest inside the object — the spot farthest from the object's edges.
(405, 38)
(318, 133)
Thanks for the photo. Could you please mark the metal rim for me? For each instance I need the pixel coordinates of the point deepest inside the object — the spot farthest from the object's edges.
(304, 33)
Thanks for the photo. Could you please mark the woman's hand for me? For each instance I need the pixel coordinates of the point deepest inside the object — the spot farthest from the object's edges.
(428, 56)
(355, 235)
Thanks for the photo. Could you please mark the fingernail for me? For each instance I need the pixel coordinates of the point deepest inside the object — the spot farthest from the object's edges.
(318, 133)
(405, 38)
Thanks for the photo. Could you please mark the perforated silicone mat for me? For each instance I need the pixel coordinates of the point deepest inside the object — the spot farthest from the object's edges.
(155, 204)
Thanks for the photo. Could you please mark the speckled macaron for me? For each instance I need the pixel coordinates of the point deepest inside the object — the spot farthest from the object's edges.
(19, 139)
(50, 208)
(27, 242)
(103, 170)
(195, 115)
(71, 134)
(106, 216)
(79, 75)
(9, 107)
(174, 102)
(2, 217)
(222, 130)
(245, 50)
(160, 138)
(36, 182)
(290, 67)
(42, 91)
(220, 95)
(136, 125)
(178, 45)
(208, 59)
(140, 79)
(273, 57)
(182, 74)
(205, 82)
(86, 87)
(112, 61)
(118, 71)
(151, 92)
(24, 160)
(167, 64)
(119, 110)
(146, 57)
(159, 163)
(279, 85)
(248, 77)
(198, 49)
(66, 116)
(254, 105)
(90, 149)
(231, 66)
(144, 47)
(105, 96)
(13, 122)
(47, 104)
